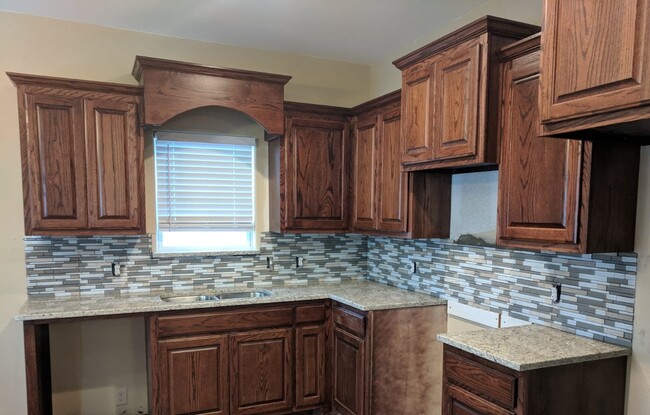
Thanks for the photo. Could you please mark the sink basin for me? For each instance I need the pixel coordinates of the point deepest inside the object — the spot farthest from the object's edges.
(190, 298)
(244, 294)
(180, 299)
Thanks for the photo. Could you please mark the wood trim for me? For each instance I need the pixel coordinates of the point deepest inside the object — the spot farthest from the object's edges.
(377, 103)
(21, 79)
(144, 62)
(37, 368)
(293, 108)
(520, 48)
(487, 24)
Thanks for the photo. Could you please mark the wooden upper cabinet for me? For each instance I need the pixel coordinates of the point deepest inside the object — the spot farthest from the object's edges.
(365, 157)
(449, 96)
(309, 170)
(558, 194)
(82, 156)
(114, 164)
(595, 67)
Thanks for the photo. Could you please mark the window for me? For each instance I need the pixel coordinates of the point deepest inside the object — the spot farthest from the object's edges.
(204, 192)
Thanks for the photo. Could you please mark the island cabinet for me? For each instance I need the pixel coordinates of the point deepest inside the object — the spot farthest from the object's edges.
(595, 77)
(238, 361)
(387, 361)
(82, 156)
(309, 170)
(385, 199)
(558, 194)
(450, 97)
(476, 386)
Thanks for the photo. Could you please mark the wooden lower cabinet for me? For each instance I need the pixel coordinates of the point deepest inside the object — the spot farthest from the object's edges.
(238, 360)
(194, 375)
(473, 386)
(387, 361)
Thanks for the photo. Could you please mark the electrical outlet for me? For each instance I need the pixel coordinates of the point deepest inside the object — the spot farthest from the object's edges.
(269, 262)
(115, 269)
(413, 267)
(299, 262)
(556, 292)
(121, 397)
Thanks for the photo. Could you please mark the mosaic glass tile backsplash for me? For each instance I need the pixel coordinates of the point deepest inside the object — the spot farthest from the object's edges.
(597, 290)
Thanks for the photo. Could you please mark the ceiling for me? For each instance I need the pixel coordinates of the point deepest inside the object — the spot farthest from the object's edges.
(362, 31)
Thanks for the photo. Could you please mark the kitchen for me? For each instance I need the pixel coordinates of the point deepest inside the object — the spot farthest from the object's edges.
(57, 48)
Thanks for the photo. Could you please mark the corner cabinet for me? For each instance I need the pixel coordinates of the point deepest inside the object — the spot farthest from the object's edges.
(596, 68)
(449, 97)
(82, 156)
(387, 361)
(385, 199)
(558, 194)
(308, 170)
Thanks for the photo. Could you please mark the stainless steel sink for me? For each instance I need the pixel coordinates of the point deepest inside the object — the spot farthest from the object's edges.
(181, 299)
(189, 298)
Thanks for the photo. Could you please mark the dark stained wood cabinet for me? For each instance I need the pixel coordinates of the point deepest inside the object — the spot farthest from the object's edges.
(558, 194)
(267, 359)
(385, 199)
(82, 156)
(473, 385)
(450, 96)
(261, 375)
(308, 170)
(387, 361)
(194, 374)
(595, 68)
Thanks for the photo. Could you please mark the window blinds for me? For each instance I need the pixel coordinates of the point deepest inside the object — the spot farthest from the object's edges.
(204, 183)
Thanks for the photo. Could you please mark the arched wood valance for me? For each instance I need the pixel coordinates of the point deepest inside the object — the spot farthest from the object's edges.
(171, 88)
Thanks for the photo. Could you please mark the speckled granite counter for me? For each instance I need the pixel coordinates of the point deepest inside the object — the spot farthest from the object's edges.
(531, 347)
(361, 294)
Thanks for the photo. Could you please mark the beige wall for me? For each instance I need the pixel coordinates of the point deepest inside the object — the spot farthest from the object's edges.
(56, 48)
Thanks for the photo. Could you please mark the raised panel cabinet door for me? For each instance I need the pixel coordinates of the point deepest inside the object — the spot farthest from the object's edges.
(540, 178)
(54, 154)
(114, 146)
(416, 140)
(595, 56)
(392, 195)
(458, 401)
(310, 366)
(317, 174)
(364, 173)
(349, 373)
(261, 371)
(457, 77)
(193, 376)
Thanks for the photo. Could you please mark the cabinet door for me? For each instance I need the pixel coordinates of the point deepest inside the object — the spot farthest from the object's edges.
(317, 174)
(417, 143)
(115, 173)
(596, 56)
(261, 371)
(310, 366)
(349, 373)
(54, 162)
(458, 401)
(392, 193)
(457, 77)
(193, 376)
(364, 173)
(540, 180)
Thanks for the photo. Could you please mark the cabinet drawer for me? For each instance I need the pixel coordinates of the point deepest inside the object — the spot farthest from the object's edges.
(350, 321)
(312, 313)
(491, 384)
(182, 324)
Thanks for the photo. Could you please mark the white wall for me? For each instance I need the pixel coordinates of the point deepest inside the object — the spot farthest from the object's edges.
(49, 47)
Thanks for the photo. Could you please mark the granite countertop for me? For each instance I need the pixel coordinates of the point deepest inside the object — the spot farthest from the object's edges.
(531, 347)
(361, 294)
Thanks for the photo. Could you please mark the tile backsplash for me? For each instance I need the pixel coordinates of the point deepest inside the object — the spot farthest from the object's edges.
(597, 290)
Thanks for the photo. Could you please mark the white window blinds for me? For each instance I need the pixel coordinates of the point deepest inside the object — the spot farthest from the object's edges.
(204, 183)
